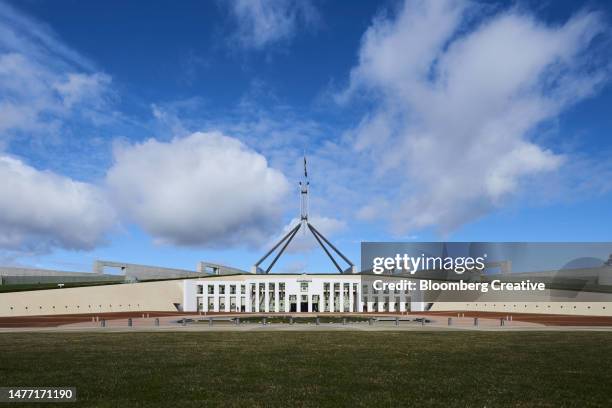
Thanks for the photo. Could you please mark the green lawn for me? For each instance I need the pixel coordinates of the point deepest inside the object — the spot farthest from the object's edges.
(286, 369)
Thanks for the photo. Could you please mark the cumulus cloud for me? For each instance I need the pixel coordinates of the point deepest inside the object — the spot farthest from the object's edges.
(204, 189)
(40, 210)
(260, 23)
(46, 90)
(457, 105)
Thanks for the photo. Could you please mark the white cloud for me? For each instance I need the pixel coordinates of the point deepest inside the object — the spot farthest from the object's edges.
(40, 210)
(43, 83)
(205, 189)
(457, 105)
(260, 22)
(78, 88)
(46, 90)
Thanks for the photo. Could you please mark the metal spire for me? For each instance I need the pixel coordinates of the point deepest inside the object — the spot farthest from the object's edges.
(304, 195)
(307, 226)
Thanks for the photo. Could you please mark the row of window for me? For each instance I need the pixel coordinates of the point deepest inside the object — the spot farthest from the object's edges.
(223, 289)
(231, 289)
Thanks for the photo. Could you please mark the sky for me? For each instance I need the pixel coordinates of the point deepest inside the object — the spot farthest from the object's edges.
(167, 134)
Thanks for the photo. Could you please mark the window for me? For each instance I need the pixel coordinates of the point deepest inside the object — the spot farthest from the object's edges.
(232, 289)
(200, 289)
(222, 289)
(211, 289)
(304, 286)
(242, 289)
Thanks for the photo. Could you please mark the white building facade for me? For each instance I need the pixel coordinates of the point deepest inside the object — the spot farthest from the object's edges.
(291, 293)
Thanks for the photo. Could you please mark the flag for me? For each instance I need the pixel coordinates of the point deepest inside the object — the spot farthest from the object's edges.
(305, 172)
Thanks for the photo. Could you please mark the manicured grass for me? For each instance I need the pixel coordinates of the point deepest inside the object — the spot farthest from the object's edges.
(547, 369)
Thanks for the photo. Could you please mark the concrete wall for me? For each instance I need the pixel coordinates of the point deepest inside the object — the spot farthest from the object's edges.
(209, 268)
(143, 272)
(569, 308)
(551, 301)
(124, 297)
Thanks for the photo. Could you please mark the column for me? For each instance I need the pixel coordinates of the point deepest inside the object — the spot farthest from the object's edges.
(276, 296)
(351, 298)
(247, 296)
(359, 297)
(341, 296)
(256, 297)
(331, 296)
(267, 297)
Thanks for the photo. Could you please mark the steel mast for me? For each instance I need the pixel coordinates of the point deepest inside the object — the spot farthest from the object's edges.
(304, 185)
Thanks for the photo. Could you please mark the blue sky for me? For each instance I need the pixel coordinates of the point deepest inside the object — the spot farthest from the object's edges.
(168, 134)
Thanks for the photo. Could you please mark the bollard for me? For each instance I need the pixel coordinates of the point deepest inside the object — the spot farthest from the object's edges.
(423, 322)
(475, 322)
(129, 322)
(263, 321)
(157, 321)
(317, 321)
(210, 321)
(93, 319)
(344, 321)
(103, 323)
(148, 315)
(501, 321)
(291, 320)
(237, 321)
(450, 321)
(397, 321)
(184, 322)
(371, 321)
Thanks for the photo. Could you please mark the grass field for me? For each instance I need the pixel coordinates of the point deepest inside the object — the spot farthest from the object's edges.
(548, 369)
